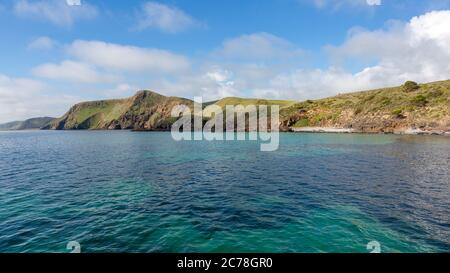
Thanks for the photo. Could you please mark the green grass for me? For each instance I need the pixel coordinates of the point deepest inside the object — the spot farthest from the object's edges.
(110, 109)
(302, 123)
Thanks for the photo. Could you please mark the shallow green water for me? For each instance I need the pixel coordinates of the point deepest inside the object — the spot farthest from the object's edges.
(143, 192)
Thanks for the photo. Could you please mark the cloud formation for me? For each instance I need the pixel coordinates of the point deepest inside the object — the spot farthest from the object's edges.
(127, 58)
(373, 2)
(74, 72)
(258, 47)
(417, 50)
(42, 43)
(55, 11)
(252, 65)
(165, 18)
(23, 98)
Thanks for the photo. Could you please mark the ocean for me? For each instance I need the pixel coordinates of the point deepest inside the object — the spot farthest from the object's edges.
(123, 191)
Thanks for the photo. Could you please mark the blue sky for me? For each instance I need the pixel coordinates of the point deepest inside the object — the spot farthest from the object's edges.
(54, 54)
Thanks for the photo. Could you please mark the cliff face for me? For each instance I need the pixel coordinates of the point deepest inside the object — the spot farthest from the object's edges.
(424, 107)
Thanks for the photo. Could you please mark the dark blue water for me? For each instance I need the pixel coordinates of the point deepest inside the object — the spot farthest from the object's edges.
(143, 192)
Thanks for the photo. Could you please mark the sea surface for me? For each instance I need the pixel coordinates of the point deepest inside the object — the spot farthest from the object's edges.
(122, 191)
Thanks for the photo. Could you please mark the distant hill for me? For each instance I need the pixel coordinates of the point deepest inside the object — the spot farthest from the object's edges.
(29, 124)
(411, 106)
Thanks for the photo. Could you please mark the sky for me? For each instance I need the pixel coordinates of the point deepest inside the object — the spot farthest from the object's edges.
(55, 53)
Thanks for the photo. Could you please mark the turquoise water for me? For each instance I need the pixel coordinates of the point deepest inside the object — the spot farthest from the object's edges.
(125, 191)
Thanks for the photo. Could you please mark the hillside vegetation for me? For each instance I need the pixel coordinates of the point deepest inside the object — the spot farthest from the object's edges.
(424, 106)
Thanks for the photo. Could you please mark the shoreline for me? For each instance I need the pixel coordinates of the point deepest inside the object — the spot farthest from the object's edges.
(313, 130)
(409, 131)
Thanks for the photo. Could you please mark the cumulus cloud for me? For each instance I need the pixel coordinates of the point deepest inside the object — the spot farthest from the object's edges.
(22, 98)
(165, 18)
(127, 58)
(42, 43)
(72, 71)
(373, 2)
(55, 11)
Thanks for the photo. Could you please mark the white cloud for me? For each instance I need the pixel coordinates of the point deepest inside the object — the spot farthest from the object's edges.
(127, 58)
(374, 2)
(258, 47)
(56, 11)
(418, 50)
(25, 98)
(210, 82)
(72, 71)
(164, 18)
(121, 90)
(338, 4)
(42, 43)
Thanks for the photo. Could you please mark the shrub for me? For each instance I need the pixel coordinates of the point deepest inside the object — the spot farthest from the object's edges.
(397, 112)
(385, 101)
(435, 93)
(419, 100)
(410, 86)
(302, 123)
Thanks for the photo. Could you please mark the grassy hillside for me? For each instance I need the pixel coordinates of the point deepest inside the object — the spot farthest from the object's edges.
(424, 106)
